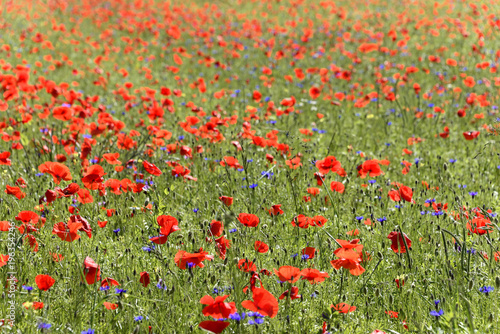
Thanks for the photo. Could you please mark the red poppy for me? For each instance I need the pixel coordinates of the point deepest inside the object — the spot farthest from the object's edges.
(263, 302)
(168, 225)
(108, 281)
(479, 226)
(293, 295)
(349, 260)
(216, 228)
(248, 219)
(112, 158)
(44, 282)
(398, 244)
(314, 275)
(343, 308)
(15, 191)
(261, 247)
(328, 164)
(144, 279)
(222, 245)
(369, 167)
(337, 186)
(217, 308)
(184, 259)
(230, 162)
(314, 92)
(310, 252)
(4, 158)
(215, 327)
(351, 245)
(57, 170)
(4, 259)
(470, 135)
(246, 265)
(288, 274)
(406, 193)
(276, 210)
(151, 169)
(91, 271)
(92, 179)
(110, 306)
(67, 232)
(226, 200)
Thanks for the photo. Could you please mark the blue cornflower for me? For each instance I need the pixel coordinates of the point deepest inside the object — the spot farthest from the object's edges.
(138, 318)
(360, 218)
(116, 231)
(486, 289)
(437, 313)
(233, 230)
(436, 302)
(237, 317)
(191, 264)
(452, 161)
(305, 257)
(381, 220)
(120, 291)
(27, 288)
(295, 255)
(195, 210)
(43, 325)
(104, 288)
(253, 186)
(473, 193)
(89, 331)
(372, 181)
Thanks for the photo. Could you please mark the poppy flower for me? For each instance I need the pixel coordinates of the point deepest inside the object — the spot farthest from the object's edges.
(112, 158)
(343, 308)
(246, 265)
(151, 168)
(276, 210)
(184, 259)
(349, 260)
(91, 270)
(479, 226)
(217, 308)
(15, 191)
(215, 327)
(263, 302)
(168, 225)
(110, 306)
(222, 245)
(471, 135)
(406, 193)
(67, 232)
(288, 274)
(228, 201)
(369, 168)
(108, 281)
(313, 275)
(261, 247)
(328, 164)
(57, 170)
(293, 295)
(398, 244)
(4, 259)
(216, 228)
(309, 252)
(248, 219)
(351, 245)
(4, 158)
(230, 162)
(319, 221)
(337, 186)
(144, 279)
(44, 282)
(92, 179)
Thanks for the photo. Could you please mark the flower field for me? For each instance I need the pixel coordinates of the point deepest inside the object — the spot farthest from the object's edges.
(262, 166)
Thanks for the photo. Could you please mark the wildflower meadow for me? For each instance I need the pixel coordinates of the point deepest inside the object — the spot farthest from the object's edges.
(260, 166)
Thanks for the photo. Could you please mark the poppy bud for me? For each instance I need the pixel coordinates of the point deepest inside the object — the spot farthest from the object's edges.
(377, 292)
(445, 166)
(490, 318)
(471, 284)
(497, 282)
(391, 299)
